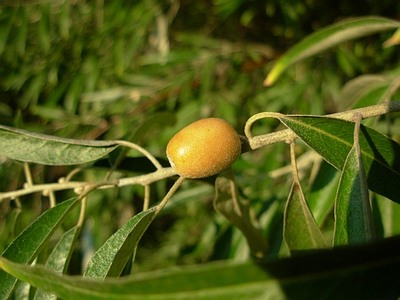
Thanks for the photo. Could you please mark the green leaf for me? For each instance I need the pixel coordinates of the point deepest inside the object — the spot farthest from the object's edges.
(301, 232)
(237, 211)
(220, 280)
(50, 150)
(333, 138)
(328, 37)
(112, 257)
(58, 259)
(322, 191)
(393, 40)
(363, 91)
(338, 273)
(353, 219)
(27, 245)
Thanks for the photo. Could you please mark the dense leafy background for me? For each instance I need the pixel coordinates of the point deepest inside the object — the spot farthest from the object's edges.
(101, 70)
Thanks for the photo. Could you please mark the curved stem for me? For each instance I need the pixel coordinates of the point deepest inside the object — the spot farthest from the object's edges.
(141, 150)
(287, 134)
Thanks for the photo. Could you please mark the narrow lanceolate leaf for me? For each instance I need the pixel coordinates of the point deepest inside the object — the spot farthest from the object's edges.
(211, 281)
(394, 40)
(59, 258)
(111, 258)
(50, 150)
(328, 37)
(353, 219)
(27, 245)
(237, 211)
(322, 191)
(338, 273)
(364, 90)
(333, 139)
(301, 232)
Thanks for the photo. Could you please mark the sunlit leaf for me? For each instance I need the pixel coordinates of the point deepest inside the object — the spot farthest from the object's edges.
(394, 39)
(50, 150)
(111, 258)
(27, 245)
(328, 37)
(333, 139)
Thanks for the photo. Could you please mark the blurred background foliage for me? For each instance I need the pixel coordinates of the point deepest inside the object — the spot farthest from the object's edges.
(141, 70)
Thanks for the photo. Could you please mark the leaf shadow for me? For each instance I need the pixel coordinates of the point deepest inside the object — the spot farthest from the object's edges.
(368, 271)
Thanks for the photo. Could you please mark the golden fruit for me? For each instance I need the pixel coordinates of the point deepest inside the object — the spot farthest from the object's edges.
(204, 148)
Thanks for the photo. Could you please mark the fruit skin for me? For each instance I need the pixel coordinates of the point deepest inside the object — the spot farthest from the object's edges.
(204, 148)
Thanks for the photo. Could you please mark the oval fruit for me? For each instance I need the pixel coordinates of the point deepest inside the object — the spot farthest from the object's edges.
(204, 148)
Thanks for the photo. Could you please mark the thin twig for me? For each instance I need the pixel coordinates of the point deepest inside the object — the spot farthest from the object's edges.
(146, 203)
(293, 161)
(28, 175)
(142, 180)
(171, 191)
(52, 198)
(162, 173)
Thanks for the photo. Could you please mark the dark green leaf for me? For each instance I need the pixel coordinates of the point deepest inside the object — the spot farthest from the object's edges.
(112, 257)
(333, 139)
(322, 192)
(27, 245)
(59, 258)
(50, 150)
(301, 232)
(353, 219)
(349, 272)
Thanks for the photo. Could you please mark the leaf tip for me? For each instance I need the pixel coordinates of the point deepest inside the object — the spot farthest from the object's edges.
(273, 75)
(270, 80)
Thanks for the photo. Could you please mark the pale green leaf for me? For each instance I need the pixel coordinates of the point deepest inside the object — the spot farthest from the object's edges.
(50, 150)
(328, 37)
(363, 91)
